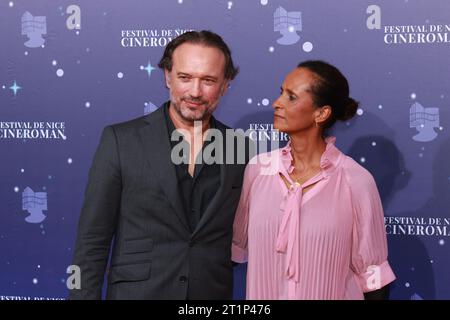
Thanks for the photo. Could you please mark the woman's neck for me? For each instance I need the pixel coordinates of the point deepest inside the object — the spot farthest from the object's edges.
(306, 151)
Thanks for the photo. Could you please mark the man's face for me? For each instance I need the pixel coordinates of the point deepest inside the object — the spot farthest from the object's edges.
(196, 81)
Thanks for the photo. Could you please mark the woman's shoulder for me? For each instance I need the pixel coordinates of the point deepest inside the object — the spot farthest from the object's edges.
(265, 163)
(355, 173)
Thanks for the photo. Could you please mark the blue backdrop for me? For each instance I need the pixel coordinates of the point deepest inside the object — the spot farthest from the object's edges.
(68, 68)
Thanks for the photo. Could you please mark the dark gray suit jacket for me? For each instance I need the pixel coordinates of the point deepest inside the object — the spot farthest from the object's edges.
(132, 202)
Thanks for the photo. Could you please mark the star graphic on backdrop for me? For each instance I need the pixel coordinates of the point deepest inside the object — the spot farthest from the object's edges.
(15, 88)
(149, 68)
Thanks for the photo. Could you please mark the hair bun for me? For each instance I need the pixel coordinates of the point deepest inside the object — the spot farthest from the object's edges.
(349, 109)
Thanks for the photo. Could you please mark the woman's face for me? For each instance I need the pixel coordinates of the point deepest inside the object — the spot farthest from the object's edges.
(294, 110)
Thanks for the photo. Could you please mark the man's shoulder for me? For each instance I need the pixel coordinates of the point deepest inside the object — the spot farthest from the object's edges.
(220, 125)
(129, 124)
(225, 129)
(138, 122)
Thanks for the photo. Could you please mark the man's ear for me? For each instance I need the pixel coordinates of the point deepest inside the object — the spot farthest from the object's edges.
(167, 77)
(323, 114)
(225, 87)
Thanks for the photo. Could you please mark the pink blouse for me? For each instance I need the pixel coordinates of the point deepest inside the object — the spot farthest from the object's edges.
(329, 243)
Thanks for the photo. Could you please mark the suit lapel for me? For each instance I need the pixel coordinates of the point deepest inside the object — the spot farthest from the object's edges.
(157, 149)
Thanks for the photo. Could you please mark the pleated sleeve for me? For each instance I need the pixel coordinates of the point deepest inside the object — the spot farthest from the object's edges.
(369, 243)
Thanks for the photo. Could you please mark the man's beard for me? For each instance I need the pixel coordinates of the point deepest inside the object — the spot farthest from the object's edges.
(197, 115)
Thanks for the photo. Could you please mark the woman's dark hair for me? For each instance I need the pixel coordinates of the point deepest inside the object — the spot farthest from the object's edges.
(206, 38)
(331, 88)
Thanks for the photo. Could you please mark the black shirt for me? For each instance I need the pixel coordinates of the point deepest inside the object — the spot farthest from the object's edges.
(197, 191)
